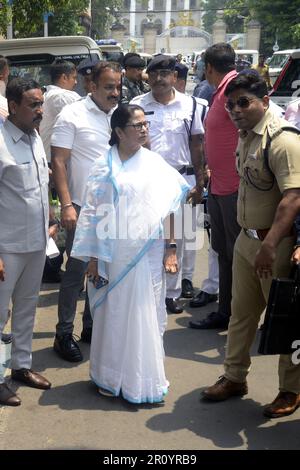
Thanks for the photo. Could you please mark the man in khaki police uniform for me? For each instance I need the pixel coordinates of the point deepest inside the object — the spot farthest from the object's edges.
(268, 202)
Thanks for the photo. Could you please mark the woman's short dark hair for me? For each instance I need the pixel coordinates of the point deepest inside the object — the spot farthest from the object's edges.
(61, 67)
(220, 56)
(251, 82)
(17, 86)
(120, 118)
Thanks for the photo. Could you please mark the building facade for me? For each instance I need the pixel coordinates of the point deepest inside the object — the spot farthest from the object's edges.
(171, 20)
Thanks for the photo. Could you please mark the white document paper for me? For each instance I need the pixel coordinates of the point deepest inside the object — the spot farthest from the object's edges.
(52, 251)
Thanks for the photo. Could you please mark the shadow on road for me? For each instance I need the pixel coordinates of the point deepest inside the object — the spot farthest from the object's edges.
(228, 425)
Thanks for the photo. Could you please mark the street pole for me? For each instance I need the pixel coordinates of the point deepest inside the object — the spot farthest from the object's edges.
(9, 29)
(46, 17)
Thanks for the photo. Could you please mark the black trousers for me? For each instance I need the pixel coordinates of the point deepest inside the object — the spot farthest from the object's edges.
(224, 232)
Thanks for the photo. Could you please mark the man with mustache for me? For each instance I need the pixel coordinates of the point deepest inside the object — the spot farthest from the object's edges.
(23, 227)
(176, 133)
(80, 136)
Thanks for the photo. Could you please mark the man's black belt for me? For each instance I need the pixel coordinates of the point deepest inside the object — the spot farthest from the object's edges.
(186, 170)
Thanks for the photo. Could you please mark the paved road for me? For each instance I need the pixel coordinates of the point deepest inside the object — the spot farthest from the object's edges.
(73, 416)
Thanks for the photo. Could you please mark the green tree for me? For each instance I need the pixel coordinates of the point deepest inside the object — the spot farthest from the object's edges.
(27, 16)
(211, 7)
(279, 19)
(102, 16)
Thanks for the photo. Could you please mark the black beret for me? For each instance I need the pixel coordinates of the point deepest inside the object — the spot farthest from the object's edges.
(182, 70)
(86, 65)
(134, 61)
(161, 61)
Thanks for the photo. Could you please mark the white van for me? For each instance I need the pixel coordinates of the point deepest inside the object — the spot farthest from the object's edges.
(250, 55)
(32, 57)
(277, 62)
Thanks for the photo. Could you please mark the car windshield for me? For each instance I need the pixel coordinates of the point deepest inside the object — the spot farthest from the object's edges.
(278, 60)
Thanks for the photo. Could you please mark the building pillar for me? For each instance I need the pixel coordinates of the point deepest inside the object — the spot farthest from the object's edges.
(132, 18)
(253, 35)
(219, 29)
(117, 32)
(186, 5)
(150, 5)
(168, 14)
(149, 38)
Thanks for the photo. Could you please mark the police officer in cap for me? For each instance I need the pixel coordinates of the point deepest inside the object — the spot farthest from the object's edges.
(85, 69)
(133, 85)
(176, 133)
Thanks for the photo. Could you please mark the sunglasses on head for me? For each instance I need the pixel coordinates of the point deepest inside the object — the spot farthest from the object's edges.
(242, 102)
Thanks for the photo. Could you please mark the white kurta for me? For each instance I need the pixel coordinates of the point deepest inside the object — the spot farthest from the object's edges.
(127, 353)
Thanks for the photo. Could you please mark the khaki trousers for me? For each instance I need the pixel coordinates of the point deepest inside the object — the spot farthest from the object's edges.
(249, 299)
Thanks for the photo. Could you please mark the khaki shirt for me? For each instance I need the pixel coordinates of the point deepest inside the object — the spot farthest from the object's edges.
(258, 196)
(23, 191)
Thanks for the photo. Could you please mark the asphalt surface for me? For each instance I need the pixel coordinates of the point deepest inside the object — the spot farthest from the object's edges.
(72, 415)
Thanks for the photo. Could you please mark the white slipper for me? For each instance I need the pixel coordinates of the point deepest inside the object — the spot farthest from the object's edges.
(106, 393)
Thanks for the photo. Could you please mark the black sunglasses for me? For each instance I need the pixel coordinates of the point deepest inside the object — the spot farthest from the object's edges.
(242, 102)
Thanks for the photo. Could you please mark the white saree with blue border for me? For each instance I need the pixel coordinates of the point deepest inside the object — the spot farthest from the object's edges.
(121, 224)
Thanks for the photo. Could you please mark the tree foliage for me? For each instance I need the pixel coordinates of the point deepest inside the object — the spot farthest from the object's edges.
(27, 17)
(103, 16)
(279, 19)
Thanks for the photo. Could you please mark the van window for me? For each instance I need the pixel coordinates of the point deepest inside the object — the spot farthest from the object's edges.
(113, 56)
(37, 66)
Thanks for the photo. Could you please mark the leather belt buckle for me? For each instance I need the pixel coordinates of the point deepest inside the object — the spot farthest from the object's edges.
(251, 233)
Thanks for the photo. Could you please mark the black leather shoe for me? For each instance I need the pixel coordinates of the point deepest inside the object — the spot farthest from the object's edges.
(67, 348)
(187, 289)
(86, 335)
(8, 397)
(173, 306)
(6, 338)
(213, 320)
(202, 299)
(30, 378)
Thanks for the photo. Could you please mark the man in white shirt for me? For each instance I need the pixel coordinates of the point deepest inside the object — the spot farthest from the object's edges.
(292, 113)
(176, 133)
(24, 215)
(4, 73)
(80, 136)
(63, 78)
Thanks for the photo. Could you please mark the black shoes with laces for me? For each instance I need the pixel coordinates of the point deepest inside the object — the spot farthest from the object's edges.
(67, 348)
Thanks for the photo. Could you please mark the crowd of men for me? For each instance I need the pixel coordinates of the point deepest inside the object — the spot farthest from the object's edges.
(216, 140)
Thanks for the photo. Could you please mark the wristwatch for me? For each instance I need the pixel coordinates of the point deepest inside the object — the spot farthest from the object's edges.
(171, 245)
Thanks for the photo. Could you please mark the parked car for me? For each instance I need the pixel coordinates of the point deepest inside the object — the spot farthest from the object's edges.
(287, 86)
(32, 57)
(277, 62)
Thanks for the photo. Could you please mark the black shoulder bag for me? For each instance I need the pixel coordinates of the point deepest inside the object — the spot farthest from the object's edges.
(282, 319)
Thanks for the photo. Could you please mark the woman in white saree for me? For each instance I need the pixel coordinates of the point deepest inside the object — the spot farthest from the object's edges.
(129, 195)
